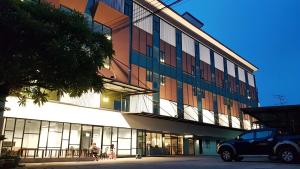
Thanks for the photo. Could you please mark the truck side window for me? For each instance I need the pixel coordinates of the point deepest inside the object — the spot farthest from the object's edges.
(247, 136)
(263, 134)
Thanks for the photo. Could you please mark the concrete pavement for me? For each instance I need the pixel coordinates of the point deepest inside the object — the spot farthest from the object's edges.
(203, 162)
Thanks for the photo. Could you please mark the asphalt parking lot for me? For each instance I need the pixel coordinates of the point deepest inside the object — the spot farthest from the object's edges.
(203, 162)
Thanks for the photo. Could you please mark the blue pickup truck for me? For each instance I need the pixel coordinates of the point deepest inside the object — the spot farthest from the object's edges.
(267, 141)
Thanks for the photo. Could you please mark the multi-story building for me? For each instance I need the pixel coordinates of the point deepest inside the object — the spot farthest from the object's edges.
(171, 89)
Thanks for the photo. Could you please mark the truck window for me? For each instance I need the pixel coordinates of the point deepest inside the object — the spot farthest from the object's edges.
(247, 136)
(263, 134)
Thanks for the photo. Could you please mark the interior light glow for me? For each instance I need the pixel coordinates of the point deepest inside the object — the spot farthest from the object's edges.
(105, 99)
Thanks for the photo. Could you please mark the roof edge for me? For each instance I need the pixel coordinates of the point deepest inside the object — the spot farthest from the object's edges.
(175, 15)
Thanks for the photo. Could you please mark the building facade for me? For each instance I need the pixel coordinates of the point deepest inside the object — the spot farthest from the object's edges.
(171, 89)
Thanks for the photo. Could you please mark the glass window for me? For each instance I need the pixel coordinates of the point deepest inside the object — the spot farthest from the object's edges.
(30, 141)
(162, 57)
(124, 144)
(32, 126)
(86, 137)
(133, 139)
(10, 124)
(17, 144)
(247, 136)
(106, 30)
(75, 134)
(149, 76)
(98, 27)
(149, 52)
(159, 140)
(124, 152)
(124, 133)
(19, 128)
(31, 134)
(55, 134)
(115, 134)
(162, 80)
(8, 136)
(65, 144)
(44, 134)
(97, 136)
(66, 131)
(107, 136)
(263, 134)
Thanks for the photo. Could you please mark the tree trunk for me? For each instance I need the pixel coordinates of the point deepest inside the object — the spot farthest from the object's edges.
(2, 108)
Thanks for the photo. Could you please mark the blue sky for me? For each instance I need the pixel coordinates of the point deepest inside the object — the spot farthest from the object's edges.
(265, 32)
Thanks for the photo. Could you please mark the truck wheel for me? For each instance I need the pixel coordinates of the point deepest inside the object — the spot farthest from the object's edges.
(226, 155)
(287, 155)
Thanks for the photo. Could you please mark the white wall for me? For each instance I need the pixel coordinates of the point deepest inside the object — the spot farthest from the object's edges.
(141, 103)
(145, 23)
(59, 112)
(208, 116)
(219, 63)
(223, 120)
(230, 68)
(205, 54)
(188, 44)
(167, 33)
(89, 99)
(168, 108)
(191, 113)
(235, 122)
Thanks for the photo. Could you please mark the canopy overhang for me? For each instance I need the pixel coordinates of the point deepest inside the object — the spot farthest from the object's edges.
(281, 117)
(126, 89)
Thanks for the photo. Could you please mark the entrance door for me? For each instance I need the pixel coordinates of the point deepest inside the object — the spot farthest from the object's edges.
(174, 143)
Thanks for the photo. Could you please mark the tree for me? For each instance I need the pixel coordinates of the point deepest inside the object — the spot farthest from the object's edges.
(45, 49)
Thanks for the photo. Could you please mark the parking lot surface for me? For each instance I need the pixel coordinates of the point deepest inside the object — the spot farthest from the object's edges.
(202, 162)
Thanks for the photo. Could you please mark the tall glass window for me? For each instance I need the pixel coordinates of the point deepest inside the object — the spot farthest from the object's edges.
(47, 139)
(75, 136)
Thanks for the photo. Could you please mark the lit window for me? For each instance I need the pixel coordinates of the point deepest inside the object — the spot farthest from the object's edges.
(194, 91)
(149, 76)
(193, 69)
(162, 80)
(162, 57)
(106, 63)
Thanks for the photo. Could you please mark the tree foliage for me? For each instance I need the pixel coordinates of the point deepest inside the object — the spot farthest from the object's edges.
(45, 48)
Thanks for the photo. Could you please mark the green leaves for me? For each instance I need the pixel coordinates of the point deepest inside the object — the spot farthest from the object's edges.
(44, 48)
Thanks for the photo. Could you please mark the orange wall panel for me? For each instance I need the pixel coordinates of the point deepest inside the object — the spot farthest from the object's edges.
(162, 91)
(168, 54)
(168, 88)
(134, 75)
(188, 63)
(142, 77)
(184, 62)
(149, 39)
(173, 56)
(78, 5)
(174, 90)
(185, 94)
(135, 38)
(120, 41)
(143, 41)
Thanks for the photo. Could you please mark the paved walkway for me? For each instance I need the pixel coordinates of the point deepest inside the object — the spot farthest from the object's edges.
(203, 162)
